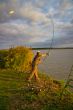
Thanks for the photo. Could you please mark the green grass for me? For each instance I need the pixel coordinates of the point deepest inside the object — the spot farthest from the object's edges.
(16, 93)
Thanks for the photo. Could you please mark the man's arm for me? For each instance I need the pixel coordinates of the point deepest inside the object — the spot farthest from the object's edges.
(44, 55)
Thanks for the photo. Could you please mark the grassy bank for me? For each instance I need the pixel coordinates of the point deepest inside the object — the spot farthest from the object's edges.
(16, 93)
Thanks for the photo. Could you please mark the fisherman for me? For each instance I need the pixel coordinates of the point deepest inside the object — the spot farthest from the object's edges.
(36, 60)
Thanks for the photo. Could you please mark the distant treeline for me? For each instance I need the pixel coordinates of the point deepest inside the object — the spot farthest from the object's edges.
(51, 48)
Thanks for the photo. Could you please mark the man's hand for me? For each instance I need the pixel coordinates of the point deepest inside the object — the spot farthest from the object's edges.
(47, 54)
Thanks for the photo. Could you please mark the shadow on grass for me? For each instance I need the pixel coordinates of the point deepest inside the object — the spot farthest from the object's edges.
(4, 103)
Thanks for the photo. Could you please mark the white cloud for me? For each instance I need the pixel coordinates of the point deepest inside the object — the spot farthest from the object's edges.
(25, 32)
(32, 13)
(66, 4)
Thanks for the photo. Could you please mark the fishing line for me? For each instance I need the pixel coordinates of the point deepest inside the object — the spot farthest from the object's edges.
(51, 44)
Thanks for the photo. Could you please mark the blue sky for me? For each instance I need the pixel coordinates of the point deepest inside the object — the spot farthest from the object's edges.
(31, 23)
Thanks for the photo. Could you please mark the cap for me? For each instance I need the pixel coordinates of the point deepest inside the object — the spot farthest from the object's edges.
(38, 51)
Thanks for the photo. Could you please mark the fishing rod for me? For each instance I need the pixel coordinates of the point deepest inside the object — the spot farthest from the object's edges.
(67, 82)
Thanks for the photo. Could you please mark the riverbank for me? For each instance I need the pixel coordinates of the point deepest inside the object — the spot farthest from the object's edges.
(16, 93)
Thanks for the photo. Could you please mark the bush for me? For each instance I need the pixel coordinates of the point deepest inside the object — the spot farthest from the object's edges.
(19, 58)
(3, 55)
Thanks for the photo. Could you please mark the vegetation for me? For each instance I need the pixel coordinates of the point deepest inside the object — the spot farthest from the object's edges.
(3, 54)
(16, 93)
(68, 82)
(18, 58)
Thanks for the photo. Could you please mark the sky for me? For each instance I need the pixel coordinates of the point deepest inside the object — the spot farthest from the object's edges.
(32, 22)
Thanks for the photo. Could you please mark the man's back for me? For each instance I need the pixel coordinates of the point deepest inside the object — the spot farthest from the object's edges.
(36, 60)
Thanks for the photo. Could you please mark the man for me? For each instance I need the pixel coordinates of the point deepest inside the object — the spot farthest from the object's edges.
(36, 60)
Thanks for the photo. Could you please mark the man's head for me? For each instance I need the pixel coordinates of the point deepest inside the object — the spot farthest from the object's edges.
(38, 53)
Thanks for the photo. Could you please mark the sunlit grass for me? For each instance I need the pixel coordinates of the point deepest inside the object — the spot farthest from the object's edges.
(16, 93)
